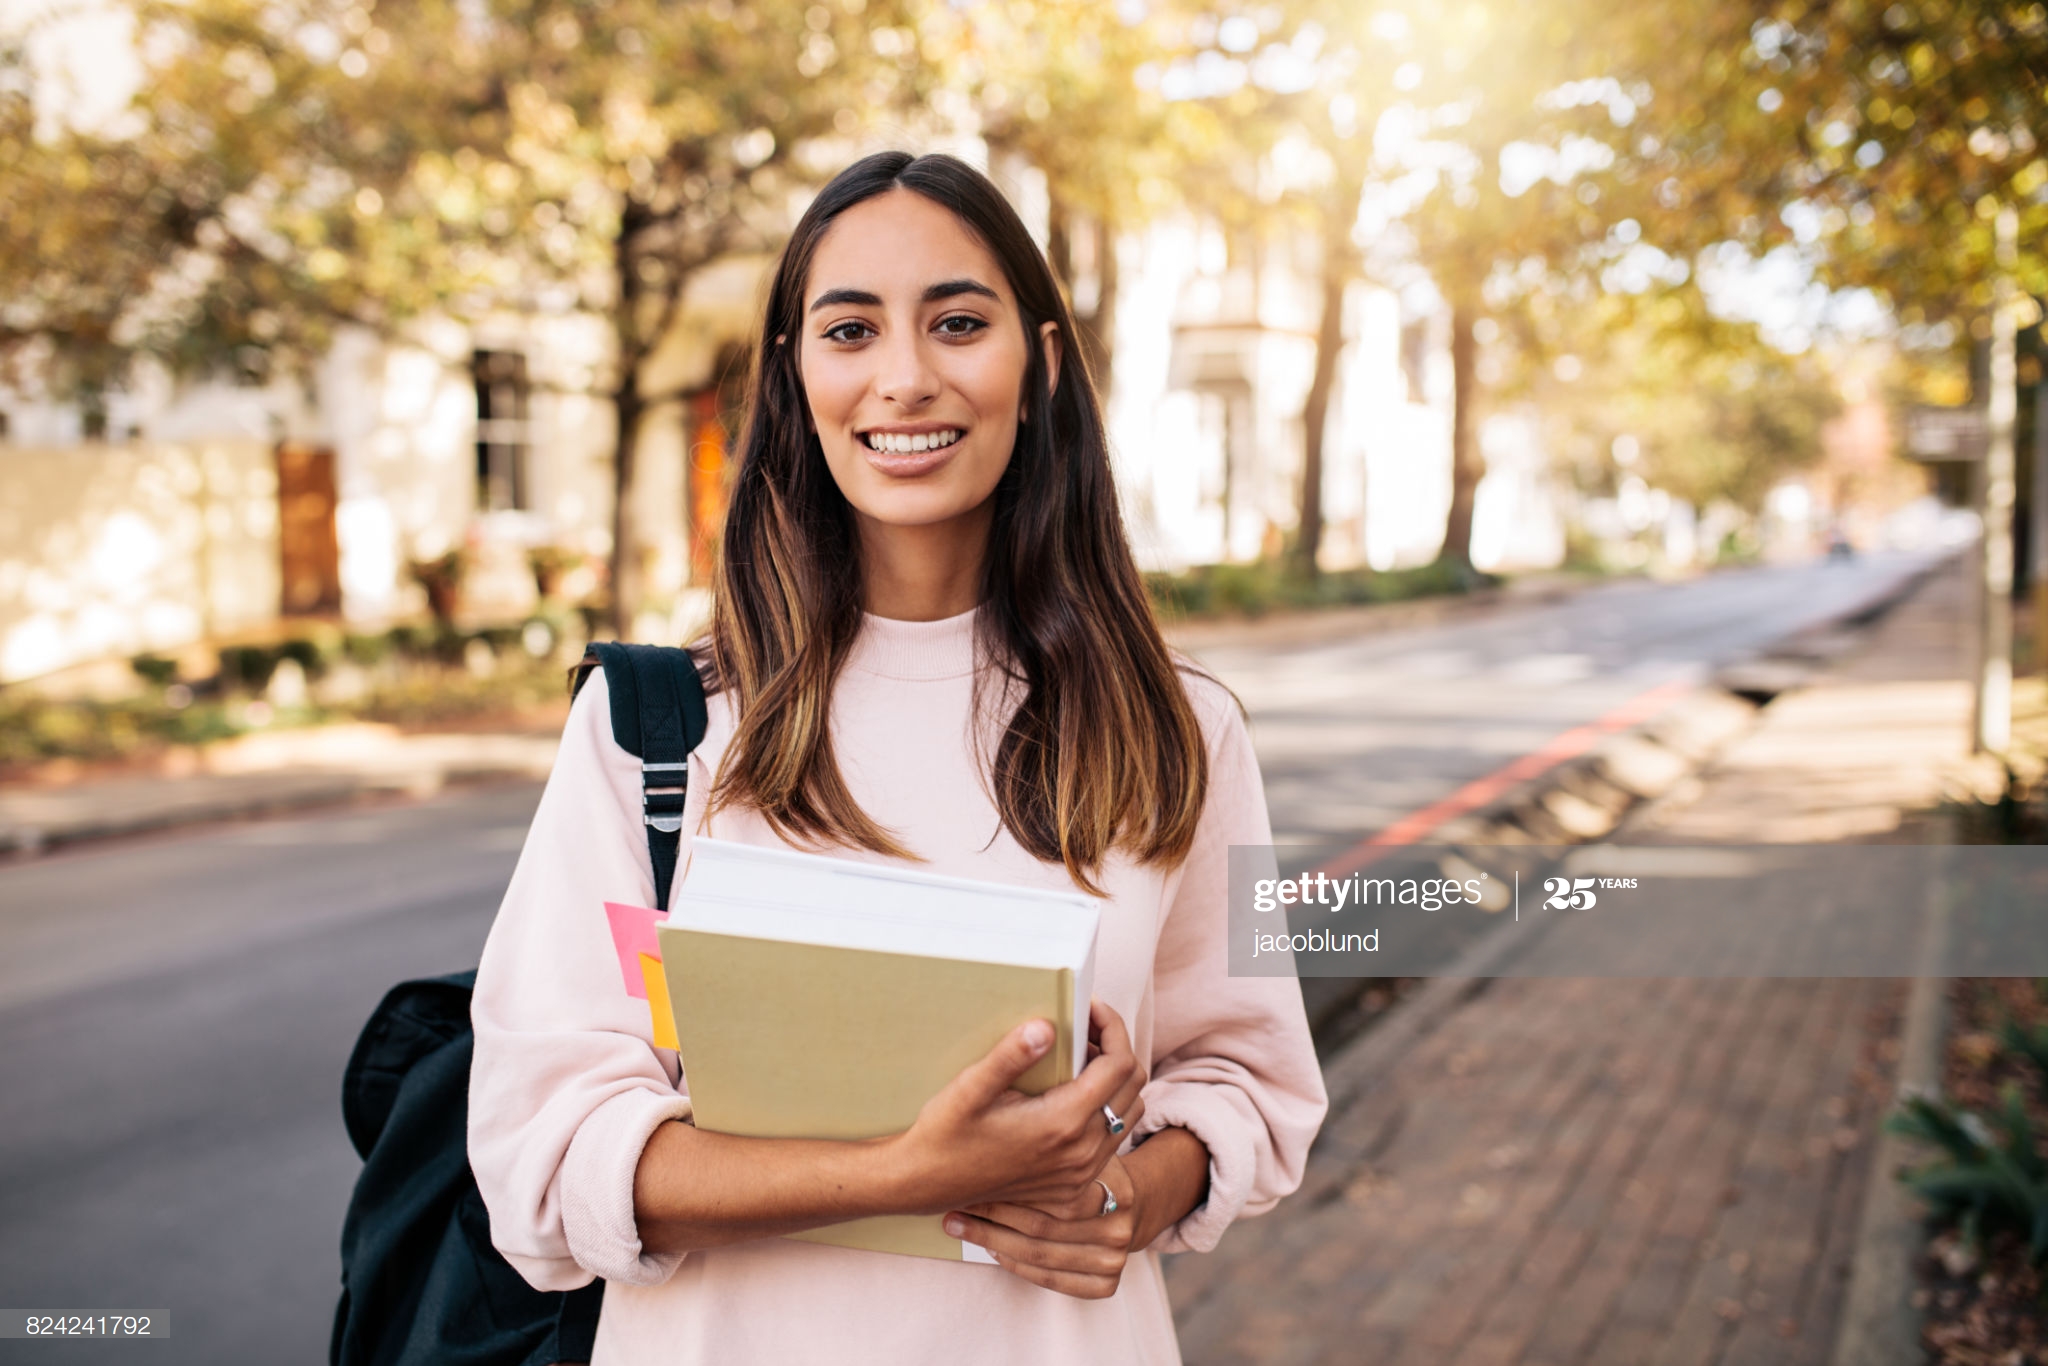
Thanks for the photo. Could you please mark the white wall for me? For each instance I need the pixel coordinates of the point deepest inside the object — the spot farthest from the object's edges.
(116, 550)
(1517, 515)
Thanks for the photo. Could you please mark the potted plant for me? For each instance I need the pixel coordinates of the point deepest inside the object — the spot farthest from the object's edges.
(441, 576)
(551, 564)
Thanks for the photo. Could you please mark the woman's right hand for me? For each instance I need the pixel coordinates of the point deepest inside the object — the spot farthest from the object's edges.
(978, 1141)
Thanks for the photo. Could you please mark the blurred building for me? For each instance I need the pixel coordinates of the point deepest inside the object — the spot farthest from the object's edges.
(322, 491)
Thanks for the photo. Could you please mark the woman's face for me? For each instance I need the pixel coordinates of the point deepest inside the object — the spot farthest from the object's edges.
(912, 358)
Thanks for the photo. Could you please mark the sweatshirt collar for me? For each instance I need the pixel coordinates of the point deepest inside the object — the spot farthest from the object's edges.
(915, 650)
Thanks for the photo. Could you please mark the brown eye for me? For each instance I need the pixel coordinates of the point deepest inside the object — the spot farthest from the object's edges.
(971, 326)
(834, 332)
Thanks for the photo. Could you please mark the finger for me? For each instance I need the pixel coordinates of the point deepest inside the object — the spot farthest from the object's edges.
(1087, 1259)
(1105, 1075)
(1099, 1141)
(1129, 1101)
(1065, 1282)
(979, 1083)
(1051, 1194)
(1127, 1105)
(1106, 1027)
(1064, 1222)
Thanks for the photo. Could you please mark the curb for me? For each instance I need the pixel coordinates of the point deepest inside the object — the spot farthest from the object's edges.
(1880, 1325)
(25, 838)
(32, 822)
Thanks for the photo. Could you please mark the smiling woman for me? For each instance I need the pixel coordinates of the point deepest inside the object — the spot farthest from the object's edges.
(910, 302)
(930, 643)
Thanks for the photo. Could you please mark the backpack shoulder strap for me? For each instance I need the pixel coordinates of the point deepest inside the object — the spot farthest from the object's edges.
(659, 715)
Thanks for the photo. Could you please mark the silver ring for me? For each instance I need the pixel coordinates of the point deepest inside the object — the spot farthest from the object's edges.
(1116, 1123)
(1109, 1205)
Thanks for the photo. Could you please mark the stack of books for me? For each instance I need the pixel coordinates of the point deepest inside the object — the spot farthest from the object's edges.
(818, 997)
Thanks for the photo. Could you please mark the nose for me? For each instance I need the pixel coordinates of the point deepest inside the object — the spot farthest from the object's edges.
(904, 374)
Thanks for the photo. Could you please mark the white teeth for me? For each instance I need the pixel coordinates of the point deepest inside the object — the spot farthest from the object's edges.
(895, 444)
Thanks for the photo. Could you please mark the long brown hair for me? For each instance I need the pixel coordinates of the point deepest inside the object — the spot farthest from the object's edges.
(1102, 750)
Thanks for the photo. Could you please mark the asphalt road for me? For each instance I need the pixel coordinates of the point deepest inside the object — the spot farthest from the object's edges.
(175, 1011)
(1354, 734)
(174, 1017)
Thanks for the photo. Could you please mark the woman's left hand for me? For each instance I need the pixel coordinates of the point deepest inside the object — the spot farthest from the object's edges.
(1073, 1248)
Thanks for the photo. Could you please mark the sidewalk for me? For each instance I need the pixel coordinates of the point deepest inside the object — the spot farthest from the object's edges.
(265, 773)
(1620, 1172)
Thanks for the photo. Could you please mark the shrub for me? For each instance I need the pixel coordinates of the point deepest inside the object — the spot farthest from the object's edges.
(248, 666)
(367, 650)
(2027, 1041)
(307, 653)
(1268, 585)
(1989, 1175)
(155, 670)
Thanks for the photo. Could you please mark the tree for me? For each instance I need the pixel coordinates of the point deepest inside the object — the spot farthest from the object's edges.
(1495, 167)
(1326, 124)
(1071, 88)
(1705, 409)
(1292, 92)
(1878, 138)
(305, 163)
(252, 198)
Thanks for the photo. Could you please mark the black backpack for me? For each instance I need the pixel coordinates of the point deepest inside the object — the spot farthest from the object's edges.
(420, 1281)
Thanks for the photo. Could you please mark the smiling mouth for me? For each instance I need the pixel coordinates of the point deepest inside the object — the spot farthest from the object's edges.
(897, 443)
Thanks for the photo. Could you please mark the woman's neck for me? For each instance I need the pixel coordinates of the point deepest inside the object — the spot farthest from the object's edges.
(924, 573)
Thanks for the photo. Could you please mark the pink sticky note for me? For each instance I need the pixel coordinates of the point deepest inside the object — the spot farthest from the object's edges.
(632, 935)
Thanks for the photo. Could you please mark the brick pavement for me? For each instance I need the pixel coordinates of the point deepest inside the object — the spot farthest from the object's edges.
(1621, 1172)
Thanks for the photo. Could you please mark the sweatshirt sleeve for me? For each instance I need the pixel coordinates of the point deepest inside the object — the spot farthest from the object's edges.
(1232, 1060)
(567, 1086)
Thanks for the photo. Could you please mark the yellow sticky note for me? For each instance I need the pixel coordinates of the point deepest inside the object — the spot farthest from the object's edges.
(657, 1002)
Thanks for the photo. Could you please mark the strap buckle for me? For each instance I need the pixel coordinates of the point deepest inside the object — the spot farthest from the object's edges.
(668, 822)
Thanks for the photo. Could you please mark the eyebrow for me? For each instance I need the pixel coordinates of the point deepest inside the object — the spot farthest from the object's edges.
(944, 289)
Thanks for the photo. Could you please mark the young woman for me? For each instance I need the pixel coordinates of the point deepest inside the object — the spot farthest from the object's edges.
(929, 643)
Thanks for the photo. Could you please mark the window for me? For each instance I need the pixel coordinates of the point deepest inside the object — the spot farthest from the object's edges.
(501, 431)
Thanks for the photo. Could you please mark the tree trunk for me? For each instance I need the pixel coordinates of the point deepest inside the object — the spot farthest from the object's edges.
(1098, 329)
(1059, 245)
(1315, 412)
(627, 408)
(1467, 465)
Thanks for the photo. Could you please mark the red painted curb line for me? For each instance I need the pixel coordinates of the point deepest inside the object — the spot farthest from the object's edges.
(1418, 825)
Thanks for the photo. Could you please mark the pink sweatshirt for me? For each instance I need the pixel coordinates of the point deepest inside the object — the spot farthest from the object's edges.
(567, 1085)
